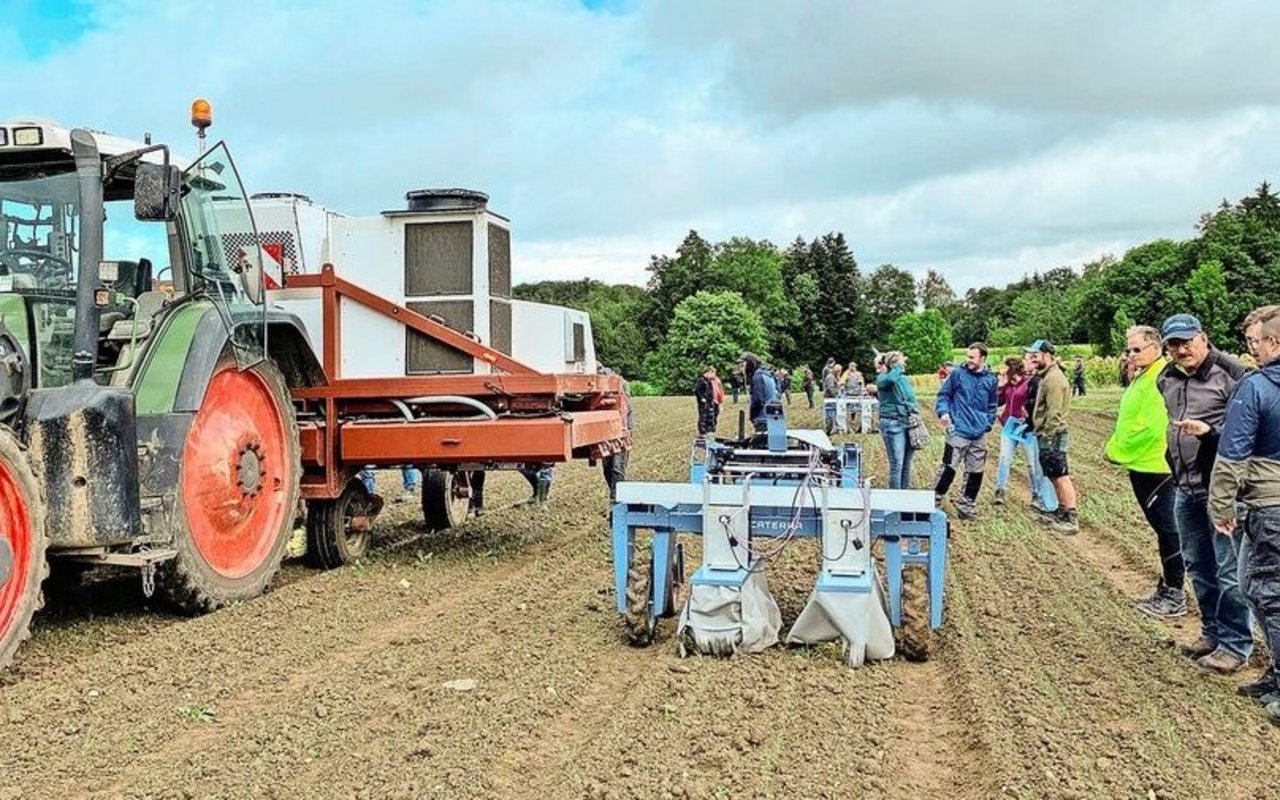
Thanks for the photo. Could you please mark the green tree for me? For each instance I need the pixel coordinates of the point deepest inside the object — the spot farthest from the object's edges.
(1118, 340)
(672, 280)
(889, 293)
(935, 292)
(1208, 299)
(709, 328)
(753, 269)
(924, 337)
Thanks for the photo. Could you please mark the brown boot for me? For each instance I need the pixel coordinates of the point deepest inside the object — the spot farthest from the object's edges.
(1198, 649)
(1221, 662)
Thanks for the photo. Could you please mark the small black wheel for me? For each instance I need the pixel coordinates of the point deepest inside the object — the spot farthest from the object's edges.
(338, 531)
(445, 497)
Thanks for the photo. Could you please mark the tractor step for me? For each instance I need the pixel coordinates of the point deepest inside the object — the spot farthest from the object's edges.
(146, 561)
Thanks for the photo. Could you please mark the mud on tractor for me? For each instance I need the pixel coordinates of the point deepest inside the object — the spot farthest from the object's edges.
(172, 423)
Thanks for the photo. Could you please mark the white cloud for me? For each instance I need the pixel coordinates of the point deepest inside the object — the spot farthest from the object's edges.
(972, 137)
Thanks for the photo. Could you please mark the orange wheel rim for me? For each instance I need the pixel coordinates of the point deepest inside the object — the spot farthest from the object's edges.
(15, 529)
(234, 470)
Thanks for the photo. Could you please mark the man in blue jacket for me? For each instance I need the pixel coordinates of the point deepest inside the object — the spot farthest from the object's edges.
(763, 388)
(967, 407)
(1247, 471)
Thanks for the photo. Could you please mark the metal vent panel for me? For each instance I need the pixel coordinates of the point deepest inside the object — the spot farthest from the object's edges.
(499, 261)
(437, 258)
(426, 356)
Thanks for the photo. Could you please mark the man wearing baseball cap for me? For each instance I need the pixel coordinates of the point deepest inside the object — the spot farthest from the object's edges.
(1048, 420)
(1197, 385)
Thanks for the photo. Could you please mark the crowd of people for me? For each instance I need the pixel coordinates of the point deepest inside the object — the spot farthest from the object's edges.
(1197, 431)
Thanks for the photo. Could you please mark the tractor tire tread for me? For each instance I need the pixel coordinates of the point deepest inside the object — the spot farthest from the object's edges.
(178, 579)
(15, 452)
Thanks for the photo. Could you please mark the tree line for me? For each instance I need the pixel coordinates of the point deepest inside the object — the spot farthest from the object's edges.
(801, 304)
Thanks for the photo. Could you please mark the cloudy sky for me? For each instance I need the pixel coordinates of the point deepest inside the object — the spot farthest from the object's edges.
(982, 139)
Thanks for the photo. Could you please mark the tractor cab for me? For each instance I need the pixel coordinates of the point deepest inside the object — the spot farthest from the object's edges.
(101, 237)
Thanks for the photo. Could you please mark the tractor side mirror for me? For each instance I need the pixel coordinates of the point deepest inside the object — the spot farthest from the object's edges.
(155, 192)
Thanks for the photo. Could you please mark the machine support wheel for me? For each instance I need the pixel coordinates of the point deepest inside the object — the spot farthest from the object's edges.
(338, 531)
(445, 496)
(915, 637)
(238, 489)
(639, 623)
(22, 545)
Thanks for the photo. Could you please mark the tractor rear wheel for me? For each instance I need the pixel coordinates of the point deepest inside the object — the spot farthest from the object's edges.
(915, 637)
(337, 530)
(22, 545)
(442, 505)
(239, 484)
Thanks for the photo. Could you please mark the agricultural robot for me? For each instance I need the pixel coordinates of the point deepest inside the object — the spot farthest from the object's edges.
(172, 421)
(748, 498)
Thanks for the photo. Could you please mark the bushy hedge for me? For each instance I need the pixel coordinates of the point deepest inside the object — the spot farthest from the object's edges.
(643, 389)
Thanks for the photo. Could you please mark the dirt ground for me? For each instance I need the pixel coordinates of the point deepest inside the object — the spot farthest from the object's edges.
(341, 684)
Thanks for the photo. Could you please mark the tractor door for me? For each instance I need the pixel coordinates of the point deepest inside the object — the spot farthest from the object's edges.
(223, 255)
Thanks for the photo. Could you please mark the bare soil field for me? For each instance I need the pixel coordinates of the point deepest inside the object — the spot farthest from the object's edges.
(487, 661)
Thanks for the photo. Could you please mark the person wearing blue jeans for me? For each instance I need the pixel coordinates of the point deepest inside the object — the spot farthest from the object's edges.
(409, 474)
(1244, 492)
(1012, 437)
(1197, 387)
(1211, 562)
(897, 404)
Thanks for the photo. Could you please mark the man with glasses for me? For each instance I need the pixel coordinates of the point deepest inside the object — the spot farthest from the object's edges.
(1138, 445)
(1247, 470)
(1196, 387)
(967, 407)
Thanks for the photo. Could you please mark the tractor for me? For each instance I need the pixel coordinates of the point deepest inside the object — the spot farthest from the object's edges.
(146, 419)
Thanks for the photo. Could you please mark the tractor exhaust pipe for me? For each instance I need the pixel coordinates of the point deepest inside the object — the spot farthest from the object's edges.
(89, 175)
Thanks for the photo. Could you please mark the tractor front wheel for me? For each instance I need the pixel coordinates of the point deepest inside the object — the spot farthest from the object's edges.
(239, 484)
(22, 545)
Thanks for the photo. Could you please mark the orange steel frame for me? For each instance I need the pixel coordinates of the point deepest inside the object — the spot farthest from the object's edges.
(553, 418)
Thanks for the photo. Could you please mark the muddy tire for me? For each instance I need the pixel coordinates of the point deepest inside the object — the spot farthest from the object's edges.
(637, 622)
(916, 640)
(238, 490)
(22, 545)
(331, 540)
(442, 508)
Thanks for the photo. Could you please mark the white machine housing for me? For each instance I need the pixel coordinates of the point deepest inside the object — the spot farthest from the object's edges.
(447, 256)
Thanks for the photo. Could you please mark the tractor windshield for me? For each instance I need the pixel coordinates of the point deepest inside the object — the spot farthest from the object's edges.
(38, 221)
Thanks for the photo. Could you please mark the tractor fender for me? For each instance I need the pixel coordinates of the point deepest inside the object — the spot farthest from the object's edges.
(287, 345)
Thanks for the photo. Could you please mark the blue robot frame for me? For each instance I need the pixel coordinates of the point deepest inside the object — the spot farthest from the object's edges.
(910, 539)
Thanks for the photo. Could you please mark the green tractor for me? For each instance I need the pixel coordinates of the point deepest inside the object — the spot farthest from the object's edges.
(145, 417)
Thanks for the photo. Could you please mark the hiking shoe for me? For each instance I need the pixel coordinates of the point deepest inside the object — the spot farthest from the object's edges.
(999, 498)
(1221, 662)
(1268, 698)
(1065, 523)
(966, 512)
(1164, 603)
(1259, 688)
(1199, 648)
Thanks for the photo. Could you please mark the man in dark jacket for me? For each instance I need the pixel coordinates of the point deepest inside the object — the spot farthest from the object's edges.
(967, 407)
(1247, 470)
(764, 388)
(704, 394)
(1197, 385)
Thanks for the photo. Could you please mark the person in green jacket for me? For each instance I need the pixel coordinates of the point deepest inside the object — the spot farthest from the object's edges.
(1138, 445)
